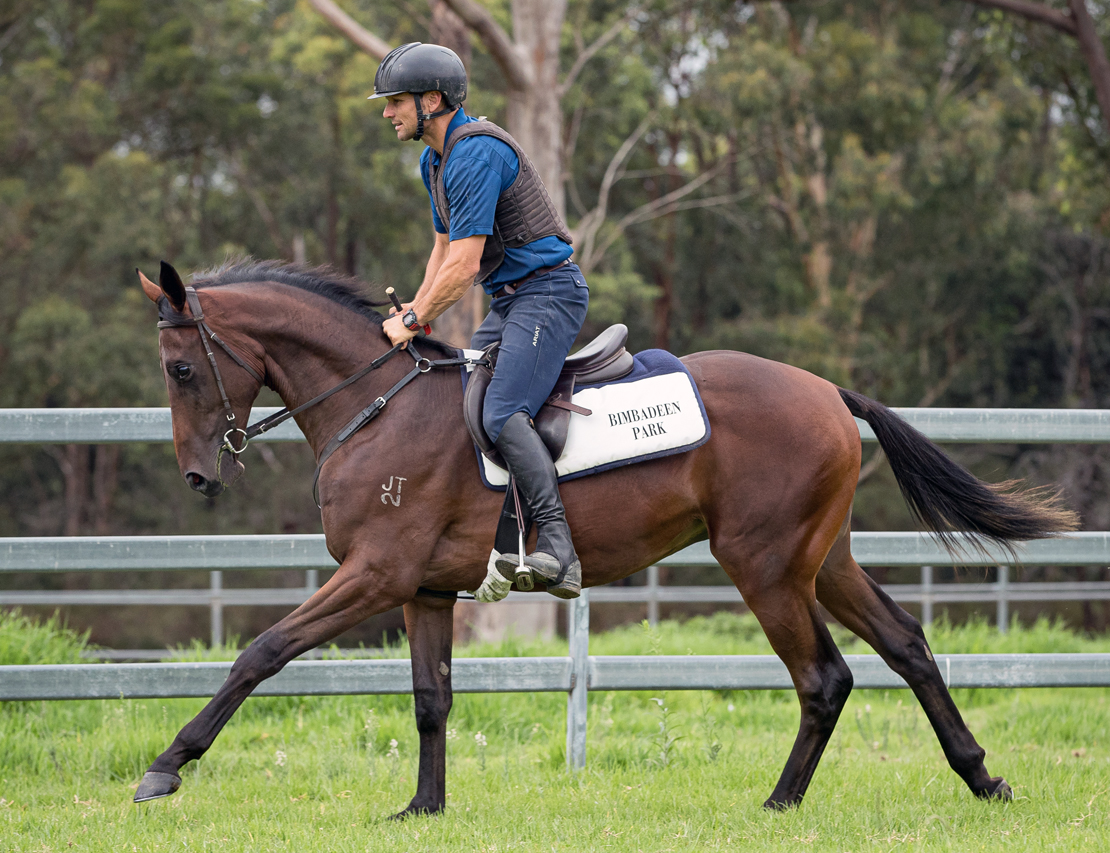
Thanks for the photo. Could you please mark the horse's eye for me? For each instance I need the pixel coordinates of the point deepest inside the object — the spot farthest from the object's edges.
(181, 372)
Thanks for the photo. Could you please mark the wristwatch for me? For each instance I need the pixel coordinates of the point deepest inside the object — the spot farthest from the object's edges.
(408, 319)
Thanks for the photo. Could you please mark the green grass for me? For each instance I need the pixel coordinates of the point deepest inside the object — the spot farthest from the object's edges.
(674, 771)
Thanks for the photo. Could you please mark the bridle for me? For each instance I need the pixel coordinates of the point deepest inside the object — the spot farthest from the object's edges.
(178, 320)
(422, 365)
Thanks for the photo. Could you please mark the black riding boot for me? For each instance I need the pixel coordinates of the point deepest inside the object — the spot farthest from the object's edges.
(554, 561)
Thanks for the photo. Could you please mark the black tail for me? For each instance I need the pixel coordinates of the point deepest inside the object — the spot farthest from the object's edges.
(947, 498)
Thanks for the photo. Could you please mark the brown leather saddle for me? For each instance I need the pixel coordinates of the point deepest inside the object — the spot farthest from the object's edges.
(602, 360)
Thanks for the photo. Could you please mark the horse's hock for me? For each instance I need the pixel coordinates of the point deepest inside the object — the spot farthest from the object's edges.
(491, 623)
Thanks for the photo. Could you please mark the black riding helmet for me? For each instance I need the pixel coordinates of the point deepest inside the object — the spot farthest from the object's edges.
(418, 68)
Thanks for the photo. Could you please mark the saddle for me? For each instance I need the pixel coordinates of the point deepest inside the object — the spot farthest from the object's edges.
(604, 359)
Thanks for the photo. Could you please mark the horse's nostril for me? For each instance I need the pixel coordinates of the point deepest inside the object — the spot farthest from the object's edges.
(195, 480)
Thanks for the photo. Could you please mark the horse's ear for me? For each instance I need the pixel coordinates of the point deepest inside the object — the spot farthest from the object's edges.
(153, 292)
(172, 286)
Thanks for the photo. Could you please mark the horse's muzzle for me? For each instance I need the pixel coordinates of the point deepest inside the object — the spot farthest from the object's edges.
(208, 488)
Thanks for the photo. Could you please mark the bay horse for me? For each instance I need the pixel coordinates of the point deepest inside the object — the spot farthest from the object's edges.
(771, 490)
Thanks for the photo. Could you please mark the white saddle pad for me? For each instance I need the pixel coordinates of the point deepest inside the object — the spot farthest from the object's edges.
(632, 421)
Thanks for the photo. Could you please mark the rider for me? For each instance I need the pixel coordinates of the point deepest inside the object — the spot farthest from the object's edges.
(495, 225)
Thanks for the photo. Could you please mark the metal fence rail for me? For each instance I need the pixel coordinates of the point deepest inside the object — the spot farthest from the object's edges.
(105, 426)
(308, 552)
(531, 675)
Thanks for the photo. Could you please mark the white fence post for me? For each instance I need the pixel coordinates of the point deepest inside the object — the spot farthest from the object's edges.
(653, 595)
(1003, 611)
(926, 595)
(578, 633)
(216, 606)
(311, 584)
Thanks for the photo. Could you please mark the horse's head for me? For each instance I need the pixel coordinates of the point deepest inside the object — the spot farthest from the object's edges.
(211, 388)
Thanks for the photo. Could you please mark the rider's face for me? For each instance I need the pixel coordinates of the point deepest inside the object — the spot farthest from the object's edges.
(401, 112)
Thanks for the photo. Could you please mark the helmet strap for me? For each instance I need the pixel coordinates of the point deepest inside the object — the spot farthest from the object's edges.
(422, 116)
(419, 115)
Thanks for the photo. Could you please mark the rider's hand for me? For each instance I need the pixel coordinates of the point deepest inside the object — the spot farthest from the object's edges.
(405, 306)
(395, 330)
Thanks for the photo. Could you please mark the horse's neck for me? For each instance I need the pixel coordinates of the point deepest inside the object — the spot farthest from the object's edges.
(312, 344)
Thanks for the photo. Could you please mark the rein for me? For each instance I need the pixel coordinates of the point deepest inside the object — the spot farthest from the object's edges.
(422, 365)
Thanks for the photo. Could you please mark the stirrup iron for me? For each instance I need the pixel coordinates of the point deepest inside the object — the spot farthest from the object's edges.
(523, 576)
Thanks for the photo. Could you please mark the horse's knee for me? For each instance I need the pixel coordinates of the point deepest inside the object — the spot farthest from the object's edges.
(824, 693)
(432, 707)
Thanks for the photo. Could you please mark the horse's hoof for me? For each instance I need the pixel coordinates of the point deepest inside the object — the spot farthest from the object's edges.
(773, 805)
(417, 810)
(999, 789)
(155, 785)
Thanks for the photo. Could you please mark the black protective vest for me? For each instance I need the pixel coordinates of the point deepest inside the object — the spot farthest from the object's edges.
(524, 211)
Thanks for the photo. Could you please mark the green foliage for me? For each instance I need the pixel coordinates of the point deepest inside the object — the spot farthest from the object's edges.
(908, 199)
(621, 297)
(24, 640)
(62, 358)
(977, 636)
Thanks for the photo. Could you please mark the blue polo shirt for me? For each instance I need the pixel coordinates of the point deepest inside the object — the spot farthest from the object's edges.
(480, 169)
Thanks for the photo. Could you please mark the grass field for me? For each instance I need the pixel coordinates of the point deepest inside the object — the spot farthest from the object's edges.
(674, 771)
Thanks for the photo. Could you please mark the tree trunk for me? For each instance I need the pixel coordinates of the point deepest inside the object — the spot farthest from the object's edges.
(534, 114)
(105, 478)
(1078, 24)
(1095, 54)
(73, 460)
(331, 236)
(665, 268)
(449, 30)
(529, 61)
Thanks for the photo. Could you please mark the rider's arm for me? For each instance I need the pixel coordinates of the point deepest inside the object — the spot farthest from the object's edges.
(435, 261)
(454, 275)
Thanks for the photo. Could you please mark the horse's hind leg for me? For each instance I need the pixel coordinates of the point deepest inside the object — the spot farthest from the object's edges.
(429, 624)
(349, 597)
(861, 606)
(783, 602)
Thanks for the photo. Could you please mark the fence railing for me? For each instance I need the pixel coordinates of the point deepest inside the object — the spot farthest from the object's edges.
(308, 552)
(114, 426)
(574, 674)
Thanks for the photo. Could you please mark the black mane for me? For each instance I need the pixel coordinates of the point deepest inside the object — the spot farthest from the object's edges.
(322, 281)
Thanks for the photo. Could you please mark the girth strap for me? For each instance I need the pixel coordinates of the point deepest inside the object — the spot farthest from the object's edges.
(437, 593)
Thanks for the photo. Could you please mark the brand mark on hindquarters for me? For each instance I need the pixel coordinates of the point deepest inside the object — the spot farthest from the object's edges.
(389, 497)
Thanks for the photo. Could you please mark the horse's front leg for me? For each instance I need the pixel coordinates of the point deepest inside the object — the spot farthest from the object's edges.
(429, 623)
(353, 594)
